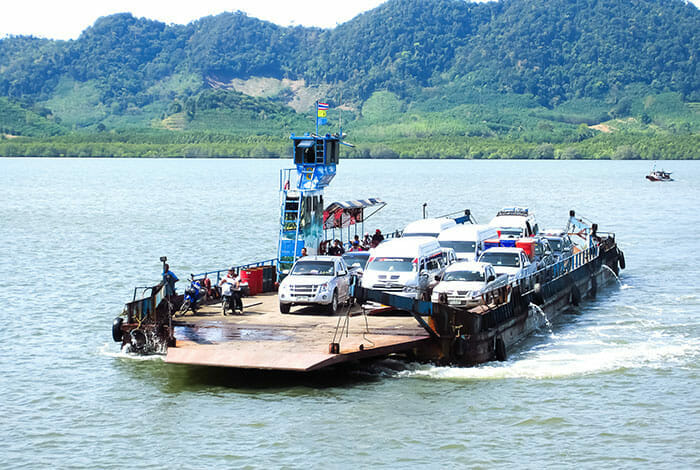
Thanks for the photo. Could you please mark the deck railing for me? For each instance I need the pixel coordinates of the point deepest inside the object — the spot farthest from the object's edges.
(257, 264)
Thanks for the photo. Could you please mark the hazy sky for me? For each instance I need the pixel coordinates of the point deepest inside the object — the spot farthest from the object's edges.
(66, 19)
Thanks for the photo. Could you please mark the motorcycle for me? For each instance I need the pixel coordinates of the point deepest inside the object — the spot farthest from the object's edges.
(229, 300)
(193, 295)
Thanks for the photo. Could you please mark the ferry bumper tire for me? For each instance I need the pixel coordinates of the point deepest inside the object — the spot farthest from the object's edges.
(138, 340)
(575, 296)
(117, 333)
(500, 349)
(536, 296)
(620, 258)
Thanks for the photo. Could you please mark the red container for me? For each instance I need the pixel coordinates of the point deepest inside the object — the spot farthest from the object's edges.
(528, 246)
(245, 280)
(255, 281)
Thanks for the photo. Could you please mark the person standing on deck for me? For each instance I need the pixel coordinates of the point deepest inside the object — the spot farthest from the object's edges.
(169, 280)
(231, 287)
(377, 238)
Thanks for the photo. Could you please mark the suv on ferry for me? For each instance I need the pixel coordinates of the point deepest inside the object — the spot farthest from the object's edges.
(406, 266)
(515, 222)
(316, 280)
(511, 261)
(463, 283)
(560, 243)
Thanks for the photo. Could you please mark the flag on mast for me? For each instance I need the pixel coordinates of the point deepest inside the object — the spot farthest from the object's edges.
(321, 113)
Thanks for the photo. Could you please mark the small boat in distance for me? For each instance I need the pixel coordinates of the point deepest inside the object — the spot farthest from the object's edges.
(659, 175)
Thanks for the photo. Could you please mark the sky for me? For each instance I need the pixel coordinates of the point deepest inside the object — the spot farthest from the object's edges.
(66, 19)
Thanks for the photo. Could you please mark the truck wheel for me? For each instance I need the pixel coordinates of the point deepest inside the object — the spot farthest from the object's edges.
(284, 308)
(333, 306)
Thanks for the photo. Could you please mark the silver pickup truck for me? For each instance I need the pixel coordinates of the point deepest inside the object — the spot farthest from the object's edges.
(463, 283)
(316, 280)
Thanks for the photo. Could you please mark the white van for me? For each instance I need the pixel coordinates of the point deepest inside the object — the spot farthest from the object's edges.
(428, 227)
(467, 240)
(515, 222)
(404, 265)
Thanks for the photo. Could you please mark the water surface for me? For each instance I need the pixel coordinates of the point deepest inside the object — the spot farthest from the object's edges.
(612, 384)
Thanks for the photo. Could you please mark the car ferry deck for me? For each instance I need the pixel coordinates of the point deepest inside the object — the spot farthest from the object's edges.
(264, 338)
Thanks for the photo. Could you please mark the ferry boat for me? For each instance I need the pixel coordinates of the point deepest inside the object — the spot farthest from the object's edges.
(374, 323)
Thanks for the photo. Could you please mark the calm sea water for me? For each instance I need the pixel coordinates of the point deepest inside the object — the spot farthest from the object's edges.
(614, 384)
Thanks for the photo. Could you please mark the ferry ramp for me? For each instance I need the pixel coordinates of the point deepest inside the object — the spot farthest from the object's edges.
(263, 338)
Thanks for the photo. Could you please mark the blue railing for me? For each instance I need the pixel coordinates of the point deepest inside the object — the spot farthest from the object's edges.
(560, 268)
(267, 262)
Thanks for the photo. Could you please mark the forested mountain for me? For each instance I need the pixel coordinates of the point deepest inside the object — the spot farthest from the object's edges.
(590, 59)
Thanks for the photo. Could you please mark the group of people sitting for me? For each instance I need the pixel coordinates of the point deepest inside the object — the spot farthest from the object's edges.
(336, 247)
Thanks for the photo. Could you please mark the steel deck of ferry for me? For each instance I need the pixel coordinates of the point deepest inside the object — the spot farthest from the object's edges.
(264, 338)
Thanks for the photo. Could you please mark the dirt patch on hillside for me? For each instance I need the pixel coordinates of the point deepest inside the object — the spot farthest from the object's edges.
(294, 93)
(604, 128)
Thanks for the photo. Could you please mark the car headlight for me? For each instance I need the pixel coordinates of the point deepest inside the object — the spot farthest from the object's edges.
(323, 287)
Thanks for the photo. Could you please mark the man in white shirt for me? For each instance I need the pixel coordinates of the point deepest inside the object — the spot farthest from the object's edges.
(231, 290)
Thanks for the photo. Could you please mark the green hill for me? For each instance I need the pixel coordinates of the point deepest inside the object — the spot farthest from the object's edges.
(443, 78)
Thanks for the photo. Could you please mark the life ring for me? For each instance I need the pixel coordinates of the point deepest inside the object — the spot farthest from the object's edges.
(621, 258)
(500, 349)
(117, 333)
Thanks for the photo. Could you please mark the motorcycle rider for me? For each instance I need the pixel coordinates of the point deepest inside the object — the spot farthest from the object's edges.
(231, 290)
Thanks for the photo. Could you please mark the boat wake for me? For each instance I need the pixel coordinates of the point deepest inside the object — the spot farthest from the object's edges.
(554, 361)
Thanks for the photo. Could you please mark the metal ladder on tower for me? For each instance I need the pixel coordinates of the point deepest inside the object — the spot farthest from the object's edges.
(319, 152)
(290, 222)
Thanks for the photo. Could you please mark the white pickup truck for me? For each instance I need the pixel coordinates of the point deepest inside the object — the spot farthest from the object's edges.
(463, 283)
(511, 261)
(316, 280)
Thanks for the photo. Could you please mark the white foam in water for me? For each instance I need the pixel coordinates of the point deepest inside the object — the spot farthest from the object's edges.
(123, 354)
(571, 360)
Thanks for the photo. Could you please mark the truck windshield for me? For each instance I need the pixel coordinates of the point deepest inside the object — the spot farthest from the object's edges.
(464, 276)
(555, 243)
(459, 246)
(356, 259)
(511, 232)
(391, 265)
(511, 260)
(313, 268)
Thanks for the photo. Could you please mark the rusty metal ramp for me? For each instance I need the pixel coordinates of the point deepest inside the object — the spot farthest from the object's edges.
(263, 338)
